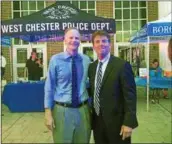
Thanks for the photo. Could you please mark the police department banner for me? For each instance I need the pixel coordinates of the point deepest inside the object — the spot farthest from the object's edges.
(53, 20)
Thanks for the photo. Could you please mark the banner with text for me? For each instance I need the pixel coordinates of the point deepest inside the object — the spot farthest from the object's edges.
(54, 20)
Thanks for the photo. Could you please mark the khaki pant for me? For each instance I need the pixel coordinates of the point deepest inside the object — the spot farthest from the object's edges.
(72, 125)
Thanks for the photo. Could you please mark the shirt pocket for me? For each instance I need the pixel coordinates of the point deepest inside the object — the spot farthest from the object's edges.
(64, 72)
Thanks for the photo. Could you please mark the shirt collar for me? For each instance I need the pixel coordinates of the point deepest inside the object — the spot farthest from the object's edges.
(68, 56)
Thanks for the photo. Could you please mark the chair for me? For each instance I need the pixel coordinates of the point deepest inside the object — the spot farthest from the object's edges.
(155, 96)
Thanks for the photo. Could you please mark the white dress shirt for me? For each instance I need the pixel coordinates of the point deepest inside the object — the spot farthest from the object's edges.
(104, 65)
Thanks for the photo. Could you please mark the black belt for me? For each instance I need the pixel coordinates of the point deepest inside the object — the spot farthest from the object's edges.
(70, 105)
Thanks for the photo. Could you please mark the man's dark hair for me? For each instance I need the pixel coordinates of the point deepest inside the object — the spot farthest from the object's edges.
(100, 33)
(155, 60)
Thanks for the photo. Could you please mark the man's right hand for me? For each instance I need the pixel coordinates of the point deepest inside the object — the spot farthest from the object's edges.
(49, 121)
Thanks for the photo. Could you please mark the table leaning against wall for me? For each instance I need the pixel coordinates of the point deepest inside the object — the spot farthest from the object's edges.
(24, 96)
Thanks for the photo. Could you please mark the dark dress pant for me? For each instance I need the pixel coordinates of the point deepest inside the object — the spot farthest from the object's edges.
(104, 135)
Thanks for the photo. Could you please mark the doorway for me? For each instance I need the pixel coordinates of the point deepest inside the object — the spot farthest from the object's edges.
(87, 49)
(20, 55)
(124, 51)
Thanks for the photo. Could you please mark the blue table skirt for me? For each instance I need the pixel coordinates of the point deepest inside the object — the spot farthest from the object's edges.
(24, 97)
(155, 82)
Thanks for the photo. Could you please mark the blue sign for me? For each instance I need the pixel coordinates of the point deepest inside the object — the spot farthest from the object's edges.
(160, 29)
(5, 41)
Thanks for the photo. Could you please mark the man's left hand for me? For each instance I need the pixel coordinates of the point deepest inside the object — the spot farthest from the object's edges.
(125, 132)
